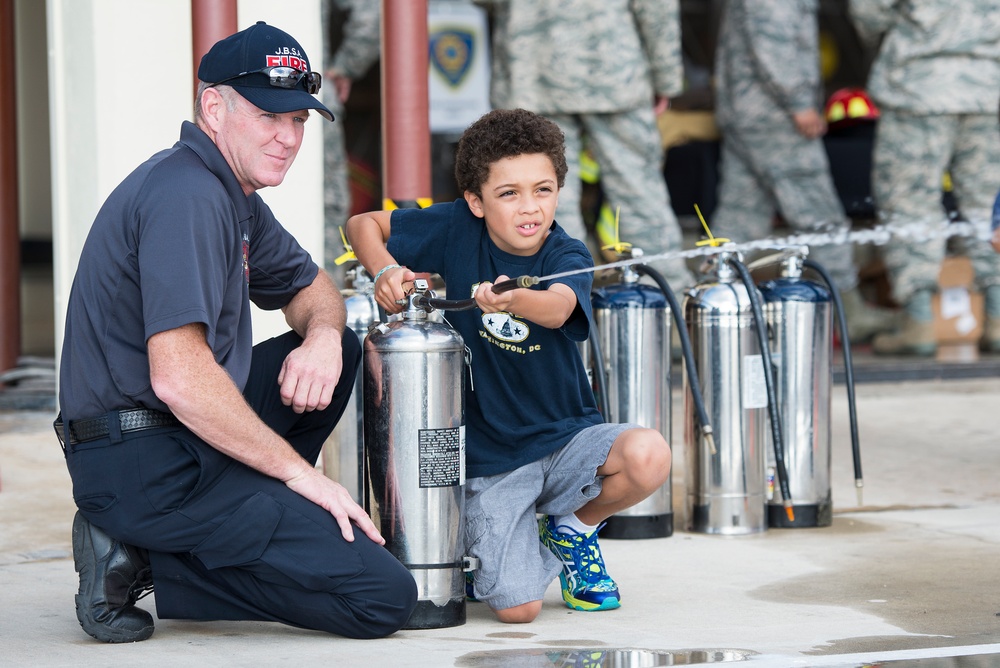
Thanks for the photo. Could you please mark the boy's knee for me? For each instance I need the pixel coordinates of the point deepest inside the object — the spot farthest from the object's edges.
(519, 614)
(648, 456)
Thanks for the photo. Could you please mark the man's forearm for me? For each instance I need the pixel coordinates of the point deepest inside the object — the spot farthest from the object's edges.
(204, 398)
(318, 306)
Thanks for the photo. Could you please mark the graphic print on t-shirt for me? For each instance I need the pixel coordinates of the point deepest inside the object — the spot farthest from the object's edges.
(505, 327)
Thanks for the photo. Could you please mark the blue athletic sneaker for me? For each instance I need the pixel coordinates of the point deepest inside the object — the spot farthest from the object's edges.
(470, 592)
(585, 582)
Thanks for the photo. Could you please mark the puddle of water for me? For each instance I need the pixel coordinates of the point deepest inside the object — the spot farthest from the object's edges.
(967, 661)
(598, 658)
(520, 635)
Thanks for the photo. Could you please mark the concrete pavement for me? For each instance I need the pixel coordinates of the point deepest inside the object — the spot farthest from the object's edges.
(911, 575)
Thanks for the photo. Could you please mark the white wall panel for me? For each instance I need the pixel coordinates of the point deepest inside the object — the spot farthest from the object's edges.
(120, 83)
(119, 87)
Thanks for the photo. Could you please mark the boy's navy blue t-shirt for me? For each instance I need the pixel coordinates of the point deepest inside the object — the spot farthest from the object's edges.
(530, 393)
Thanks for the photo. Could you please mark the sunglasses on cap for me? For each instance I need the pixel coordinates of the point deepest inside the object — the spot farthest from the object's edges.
(284, 77)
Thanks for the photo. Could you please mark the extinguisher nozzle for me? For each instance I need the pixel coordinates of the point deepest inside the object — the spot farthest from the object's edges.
(707, 433)
(512, 283)
(789, 511)
(859, 485)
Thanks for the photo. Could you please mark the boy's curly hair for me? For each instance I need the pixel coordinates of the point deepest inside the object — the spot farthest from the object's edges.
(506, 133)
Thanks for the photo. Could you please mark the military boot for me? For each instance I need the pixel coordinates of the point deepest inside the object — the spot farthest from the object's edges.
(990, 343)
(865, 320)
(113, 576)
(915, 333)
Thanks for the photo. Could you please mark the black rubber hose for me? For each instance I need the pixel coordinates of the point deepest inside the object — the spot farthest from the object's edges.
(845, 341)
(772, 400)
(603, 401)
(446, 304)
(470, 303)
(689, 363)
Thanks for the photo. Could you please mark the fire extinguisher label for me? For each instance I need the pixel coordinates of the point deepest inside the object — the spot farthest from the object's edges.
(754, 385)
(441, 457)
(461, 447)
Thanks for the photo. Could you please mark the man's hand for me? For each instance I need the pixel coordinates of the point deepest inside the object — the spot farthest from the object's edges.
(809, 123)
(332, 496)
(341, 83)
(996, 240)
(660, 104)
(310, 373)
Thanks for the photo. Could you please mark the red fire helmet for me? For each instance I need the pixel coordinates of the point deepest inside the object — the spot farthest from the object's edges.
(849, 106)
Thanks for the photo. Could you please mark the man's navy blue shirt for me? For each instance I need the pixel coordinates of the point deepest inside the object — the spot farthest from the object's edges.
(177, 242)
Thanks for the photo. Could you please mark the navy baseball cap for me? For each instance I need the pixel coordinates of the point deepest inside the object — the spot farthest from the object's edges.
(267, 67)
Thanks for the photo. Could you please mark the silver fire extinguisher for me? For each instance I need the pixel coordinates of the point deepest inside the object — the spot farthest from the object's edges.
(632, 324)
(800, 314)
(633, 329)
(725, 480)
(414, 438)
(343, 451)
(725, 490)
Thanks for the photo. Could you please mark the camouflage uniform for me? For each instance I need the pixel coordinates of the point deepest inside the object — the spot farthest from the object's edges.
(936, 80)
(594, 67)
(766, 70)
(357, 53)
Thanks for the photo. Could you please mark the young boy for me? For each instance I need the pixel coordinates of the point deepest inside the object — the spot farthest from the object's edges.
(535, 442)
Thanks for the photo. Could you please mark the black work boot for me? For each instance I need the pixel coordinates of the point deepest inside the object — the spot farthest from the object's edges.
(113, 575)
(990, 342)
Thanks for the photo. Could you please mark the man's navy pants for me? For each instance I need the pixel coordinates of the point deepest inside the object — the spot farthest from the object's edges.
(227, 542)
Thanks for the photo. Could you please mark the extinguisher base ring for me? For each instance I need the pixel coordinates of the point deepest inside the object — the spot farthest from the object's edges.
(806, 515)
(634, 527)
(427, 615)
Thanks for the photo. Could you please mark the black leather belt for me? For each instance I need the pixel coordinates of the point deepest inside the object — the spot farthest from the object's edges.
(136, 419)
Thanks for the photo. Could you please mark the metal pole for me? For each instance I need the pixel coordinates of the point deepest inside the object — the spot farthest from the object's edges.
(10, 237)
(406, 140)
(211, 20)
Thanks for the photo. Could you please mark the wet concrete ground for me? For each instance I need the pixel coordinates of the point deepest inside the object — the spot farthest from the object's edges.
(912, 574)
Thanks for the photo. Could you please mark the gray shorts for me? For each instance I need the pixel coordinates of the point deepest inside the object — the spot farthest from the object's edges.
(501, 527)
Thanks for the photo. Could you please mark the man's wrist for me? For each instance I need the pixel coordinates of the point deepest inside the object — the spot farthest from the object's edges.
(324, 331)
(298, 472)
